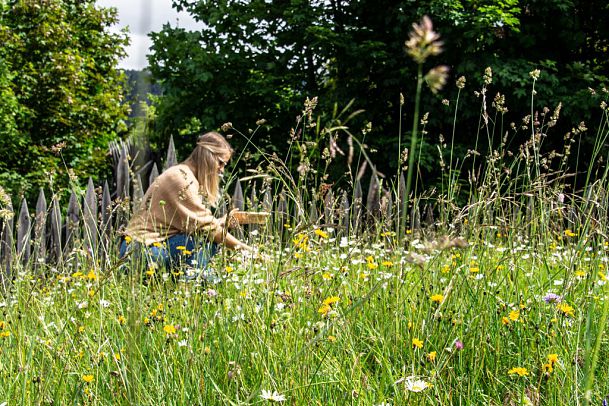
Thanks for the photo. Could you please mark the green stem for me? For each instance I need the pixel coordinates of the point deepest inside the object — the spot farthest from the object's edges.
(415, 127)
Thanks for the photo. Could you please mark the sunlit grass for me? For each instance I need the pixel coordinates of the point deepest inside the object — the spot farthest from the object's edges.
(334, 321)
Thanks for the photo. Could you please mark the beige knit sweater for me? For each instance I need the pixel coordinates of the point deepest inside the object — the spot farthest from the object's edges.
(172, 205)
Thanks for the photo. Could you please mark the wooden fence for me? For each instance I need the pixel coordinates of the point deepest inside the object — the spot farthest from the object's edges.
(94, 216)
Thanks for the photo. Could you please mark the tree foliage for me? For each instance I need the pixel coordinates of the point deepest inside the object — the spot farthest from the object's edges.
(60, 89)
(262, 58)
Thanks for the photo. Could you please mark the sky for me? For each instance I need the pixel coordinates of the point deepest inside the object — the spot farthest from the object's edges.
(142, 17)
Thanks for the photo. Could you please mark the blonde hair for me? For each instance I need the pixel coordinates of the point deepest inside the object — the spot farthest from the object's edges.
(205, 157)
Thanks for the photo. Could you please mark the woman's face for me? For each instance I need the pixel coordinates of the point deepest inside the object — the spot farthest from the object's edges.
(222, 161)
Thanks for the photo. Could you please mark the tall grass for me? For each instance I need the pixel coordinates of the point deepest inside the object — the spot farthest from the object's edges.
(501, 301)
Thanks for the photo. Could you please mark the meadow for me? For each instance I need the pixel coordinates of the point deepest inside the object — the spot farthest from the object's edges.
(498, 300)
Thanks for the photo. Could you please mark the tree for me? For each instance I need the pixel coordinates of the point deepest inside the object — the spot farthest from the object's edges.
(257, 58)
(63, 91)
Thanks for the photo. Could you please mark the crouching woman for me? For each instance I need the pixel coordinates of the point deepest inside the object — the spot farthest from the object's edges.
(174, 224)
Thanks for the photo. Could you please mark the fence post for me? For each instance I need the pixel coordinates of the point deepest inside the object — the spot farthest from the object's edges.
(106, 222)
(6, 246)
(154, 173)
(90, 219)
(237, 200)
(40, 229)
(56, 225)
(122, 176)
(171, 155)
(23, 233)
(72, 223)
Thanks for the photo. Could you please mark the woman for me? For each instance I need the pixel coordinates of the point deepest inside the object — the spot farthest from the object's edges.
(174, 222)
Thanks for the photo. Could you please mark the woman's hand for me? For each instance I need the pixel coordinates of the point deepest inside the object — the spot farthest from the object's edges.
(228, 221)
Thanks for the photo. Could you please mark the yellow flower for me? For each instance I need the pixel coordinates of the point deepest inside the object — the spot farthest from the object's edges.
(370, 262)
(331, 339)
(569, 233)
(150, 271)
(180, 247)
(445, 268)
(128, 239)
(320, 233)
(520, 371)
(229, 269)
(552, 358)
(324, 309)
(117, 356)
(77, 275)
(416, 343)
(474, 269)
(505, 321)
(437, 298)
(387, 264)
(580, 274)
(87, 378)
(4, 334)
(602, 276)
(432, 356)
(565, 309)
(514, 315)
(169, 329)
(121, 320)
(331, 300)
(547, 368)
(91, 275)
(157, 244)
(326, 275)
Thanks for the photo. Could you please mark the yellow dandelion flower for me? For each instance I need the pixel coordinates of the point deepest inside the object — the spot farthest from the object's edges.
(431, 356)
(331, 339)
(181, 247)
(87, 378)
(416, 343)
(229, 269)
(324, 309)
(520, 371)
(437, 298)
(505, 321)
(514, 315)
(569, 233)
(121, 320)
(580, 274)
(128, 239)
(331, 300)
(474, 269)
(169, 329)
(566, 309)
(320, 233)
(91, 275)
(552, 358)
(387, 264)
(326, 275)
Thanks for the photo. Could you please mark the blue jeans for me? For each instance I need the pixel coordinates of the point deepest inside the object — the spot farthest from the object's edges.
(181, 249)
